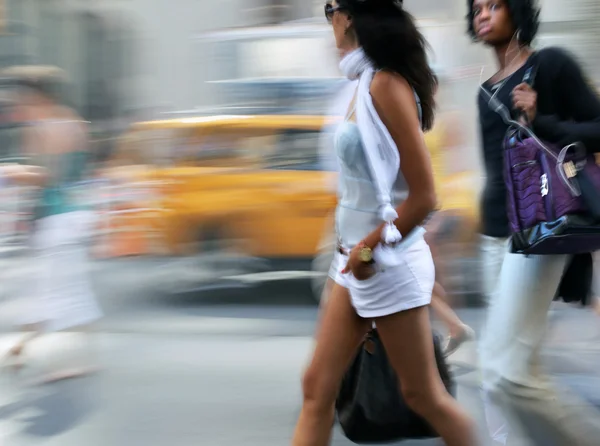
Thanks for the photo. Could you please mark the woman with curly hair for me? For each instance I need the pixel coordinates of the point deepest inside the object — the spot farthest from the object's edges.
(548, 89)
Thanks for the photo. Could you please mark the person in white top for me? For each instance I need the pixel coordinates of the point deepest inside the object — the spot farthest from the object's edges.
(60, 295)
(386, 272)
(323, 262)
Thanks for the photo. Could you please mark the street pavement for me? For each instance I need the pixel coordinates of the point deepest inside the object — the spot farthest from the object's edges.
(210, 369)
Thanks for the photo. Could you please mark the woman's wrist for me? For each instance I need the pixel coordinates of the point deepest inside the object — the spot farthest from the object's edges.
(374, 238)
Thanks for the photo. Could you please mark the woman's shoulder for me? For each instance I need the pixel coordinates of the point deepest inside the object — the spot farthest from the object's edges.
(389, 89)
(554, 58)
(385, 81)
(556, 69)
(550, 52)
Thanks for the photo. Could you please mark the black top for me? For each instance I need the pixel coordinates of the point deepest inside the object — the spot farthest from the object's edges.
(568, 110)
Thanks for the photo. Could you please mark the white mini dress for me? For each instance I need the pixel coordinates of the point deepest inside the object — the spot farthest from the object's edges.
(409, 282)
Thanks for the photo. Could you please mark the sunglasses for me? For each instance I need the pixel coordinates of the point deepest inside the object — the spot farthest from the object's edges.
(330, 10)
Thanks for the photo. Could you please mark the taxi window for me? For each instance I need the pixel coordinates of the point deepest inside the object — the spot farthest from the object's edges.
(295, 150)
(272, 150)
(143, 147)
(174, 148)
(205, 149)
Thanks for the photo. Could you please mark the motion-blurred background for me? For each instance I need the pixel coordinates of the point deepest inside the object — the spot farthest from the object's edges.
(213, 203)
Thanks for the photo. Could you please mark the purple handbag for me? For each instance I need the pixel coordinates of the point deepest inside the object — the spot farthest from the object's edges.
(553, 199)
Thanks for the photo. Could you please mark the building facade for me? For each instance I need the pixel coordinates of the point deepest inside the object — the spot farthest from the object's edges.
(125, 55)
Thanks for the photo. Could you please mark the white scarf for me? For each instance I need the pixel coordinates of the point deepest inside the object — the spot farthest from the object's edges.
(380, 149)
(338, 108)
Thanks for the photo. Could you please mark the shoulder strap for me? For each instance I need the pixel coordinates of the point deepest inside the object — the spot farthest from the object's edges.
(419, 108)
(530, 75)
(531, 72)
(499, 107)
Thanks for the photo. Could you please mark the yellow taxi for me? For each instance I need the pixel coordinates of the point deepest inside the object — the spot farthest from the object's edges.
(253, 185)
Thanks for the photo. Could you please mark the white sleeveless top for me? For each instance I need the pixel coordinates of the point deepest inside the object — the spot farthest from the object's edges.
(357, 209)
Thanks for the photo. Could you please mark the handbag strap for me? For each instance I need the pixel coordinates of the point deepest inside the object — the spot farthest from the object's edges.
(497, 106)
(531, 72)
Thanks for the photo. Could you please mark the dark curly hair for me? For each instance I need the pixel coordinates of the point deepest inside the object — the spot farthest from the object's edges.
(390, 38)
(525, 15)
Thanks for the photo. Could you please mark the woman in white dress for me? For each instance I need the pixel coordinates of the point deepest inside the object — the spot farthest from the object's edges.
(56, 141)
(386, 271)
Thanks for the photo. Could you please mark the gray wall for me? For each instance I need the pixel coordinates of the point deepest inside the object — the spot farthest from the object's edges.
(169, 69)
(168, 65)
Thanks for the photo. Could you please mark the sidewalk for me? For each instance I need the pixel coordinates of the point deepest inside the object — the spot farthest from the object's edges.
(214, 390)
(218, 374)
(158, 391)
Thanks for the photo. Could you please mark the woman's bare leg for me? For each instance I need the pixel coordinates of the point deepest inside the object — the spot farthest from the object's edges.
(596, 304)
(409, 345)
(458, 332)
(339, 335)
(445, 313)
(438, 302)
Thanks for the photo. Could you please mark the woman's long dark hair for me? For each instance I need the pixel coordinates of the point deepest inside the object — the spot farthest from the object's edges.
(390, 38)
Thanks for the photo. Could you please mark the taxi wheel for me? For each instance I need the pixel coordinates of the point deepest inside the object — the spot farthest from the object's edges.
(211, 238)
(226, 251)
(215, 238)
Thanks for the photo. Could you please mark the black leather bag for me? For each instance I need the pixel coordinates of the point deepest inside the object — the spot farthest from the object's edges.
(370, 407)
(576, 283)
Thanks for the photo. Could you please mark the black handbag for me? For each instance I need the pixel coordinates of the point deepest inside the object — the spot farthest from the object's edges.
(370, 407)
(576, 283)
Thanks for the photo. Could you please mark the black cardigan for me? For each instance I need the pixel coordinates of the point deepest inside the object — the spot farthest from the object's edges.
(568, 110)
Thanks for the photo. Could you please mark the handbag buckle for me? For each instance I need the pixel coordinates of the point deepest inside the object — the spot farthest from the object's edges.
(570, 169)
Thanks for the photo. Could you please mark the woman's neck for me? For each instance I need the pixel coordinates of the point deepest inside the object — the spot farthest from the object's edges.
(510, 57)
(511, 54)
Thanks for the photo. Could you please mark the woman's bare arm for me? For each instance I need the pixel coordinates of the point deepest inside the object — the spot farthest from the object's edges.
(21, 174)
(395, 103)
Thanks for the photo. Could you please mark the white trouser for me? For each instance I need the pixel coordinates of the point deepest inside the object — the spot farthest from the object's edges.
(510, 354)
(493, 251)
(596, 277)
(61, 295)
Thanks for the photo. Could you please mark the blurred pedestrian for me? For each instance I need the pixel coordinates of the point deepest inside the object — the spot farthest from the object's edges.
(323, 264)
(562, 108)
(458, 331)
(55, 140)
(441, 227)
